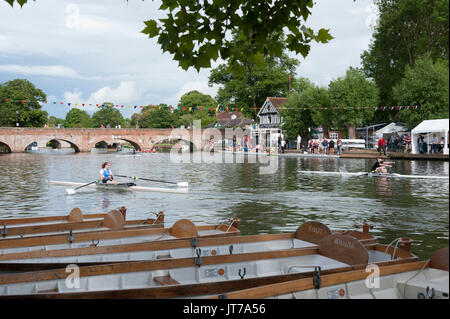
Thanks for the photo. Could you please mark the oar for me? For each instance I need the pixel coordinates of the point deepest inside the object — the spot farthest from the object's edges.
(180, 184)
(71, 191)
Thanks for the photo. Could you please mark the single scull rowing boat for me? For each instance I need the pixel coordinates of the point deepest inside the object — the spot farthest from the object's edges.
(124, 186)
(366, 174)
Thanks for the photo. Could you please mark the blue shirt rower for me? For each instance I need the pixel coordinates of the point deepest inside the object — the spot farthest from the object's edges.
(106, 175)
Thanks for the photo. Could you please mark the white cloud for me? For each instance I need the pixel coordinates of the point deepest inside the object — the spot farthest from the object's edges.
(126, 92)
(201, 86)
(53, 70)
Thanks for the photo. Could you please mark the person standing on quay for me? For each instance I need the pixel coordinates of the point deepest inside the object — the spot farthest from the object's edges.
(331, 147)
(407, 143)
(382, 145)
(299, 142)
(339, 145)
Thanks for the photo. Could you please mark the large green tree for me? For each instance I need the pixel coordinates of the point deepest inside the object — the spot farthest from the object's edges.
(406, 30)
(195, 105)
(107, 115)
(157, 117)
(426, 84)
(195, 99)
(78, 118)
(306, 110)
(20, 103)
(198, 32)
(355, 97)
(250, 90)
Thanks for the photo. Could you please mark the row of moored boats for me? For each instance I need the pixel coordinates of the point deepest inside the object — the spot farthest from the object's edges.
(108, 256)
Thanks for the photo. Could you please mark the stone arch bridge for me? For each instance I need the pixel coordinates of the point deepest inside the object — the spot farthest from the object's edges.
(83, 139)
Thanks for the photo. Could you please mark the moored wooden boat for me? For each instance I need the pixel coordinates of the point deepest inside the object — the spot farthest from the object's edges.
(414, 280)
(193, 276)
(307, 235)
(183, 228)
(75, 222)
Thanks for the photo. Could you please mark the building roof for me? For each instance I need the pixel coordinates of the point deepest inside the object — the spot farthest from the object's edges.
(226, 116)
(277, 101)
(428, 126)
(237, 122)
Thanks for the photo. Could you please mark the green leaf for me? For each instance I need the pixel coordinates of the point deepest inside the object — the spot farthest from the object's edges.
(324, 35)
(151, 28)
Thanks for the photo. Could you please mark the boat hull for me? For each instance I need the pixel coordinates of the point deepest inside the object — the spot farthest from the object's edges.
(123, 187)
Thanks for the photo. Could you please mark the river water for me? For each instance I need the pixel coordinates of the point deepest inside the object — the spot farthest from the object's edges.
(265, 203)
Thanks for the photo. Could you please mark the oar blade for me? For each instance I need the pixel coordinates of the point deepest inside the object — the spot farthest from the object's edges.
(70, 191)
(183, 184)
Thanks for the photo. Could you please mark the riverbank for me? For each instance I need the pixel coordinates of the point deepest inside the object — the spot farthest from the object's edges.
(368, 154)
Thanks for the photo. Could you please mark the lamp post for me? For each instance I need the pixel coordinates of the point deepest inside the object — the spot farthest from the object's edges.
(17, 113)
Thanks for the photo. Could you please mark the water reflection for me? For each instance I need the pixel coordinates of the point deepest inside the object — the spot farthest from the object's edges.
(268, 203)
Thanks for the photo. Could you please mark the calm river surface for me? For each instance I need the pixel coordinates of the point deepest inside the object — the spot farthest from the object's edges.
(265, 203)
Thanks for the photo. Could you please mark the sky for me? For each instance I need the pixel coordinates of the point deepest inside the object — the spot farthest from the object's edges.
(90, 52)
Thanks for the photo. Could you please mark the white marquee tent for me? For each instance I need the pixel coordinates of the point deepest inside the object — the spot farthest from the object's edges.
(427, 129)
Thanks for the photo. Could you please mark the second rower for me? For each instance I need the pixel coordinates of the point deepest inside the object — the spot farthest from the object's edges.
(380, 166)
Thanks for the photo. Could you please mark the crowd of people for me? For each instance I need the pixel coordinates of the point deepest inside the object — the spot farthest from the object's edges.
(393, 143)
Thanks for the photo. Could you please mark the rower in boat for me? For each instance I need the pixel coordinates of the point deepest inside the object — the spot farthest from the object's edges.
(380, 166)
(106, 175)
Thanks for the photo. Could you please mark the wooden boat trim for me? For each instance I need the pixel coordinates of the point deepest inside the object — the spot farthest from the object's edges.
(145, 246)
(101, 235)
(192, 290)
(327, 280)
(302, 233)
(75, 215)
(136, 266)
(48, 228)
(33, 220)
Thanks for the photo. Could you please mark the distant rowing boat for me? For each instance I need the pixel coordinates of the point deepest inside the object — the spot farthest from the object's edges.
(123, 186)
(366, 174)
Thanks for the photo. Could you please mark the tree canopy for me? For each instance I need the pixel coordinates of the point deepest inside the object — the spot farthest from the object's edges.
(426, 84)
(107, 115)
(251, 90)
(13, 110)
(407, 29)
(356, 94)
(198, 32)
(78, 119)
(158, 117)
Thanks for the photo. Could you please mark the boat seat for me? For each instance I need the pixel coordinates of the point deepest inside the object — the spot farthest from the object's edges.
(165, 280)
(168, 256)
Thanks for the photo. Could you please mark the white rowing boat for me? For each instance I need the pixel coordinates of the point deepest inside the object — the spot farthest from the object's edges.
(123, 186)
(366, 174)
(308, 235)
(182, 228)
(416, 280)
(145, 278)
(75, 223)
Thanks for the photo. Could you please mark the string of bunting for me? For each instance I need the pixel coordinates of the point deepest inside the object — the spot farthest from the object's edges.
(227, 109)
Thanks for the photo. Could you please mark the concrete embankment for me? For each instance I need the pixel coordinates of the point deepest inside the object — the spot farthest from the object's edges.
(393, 155)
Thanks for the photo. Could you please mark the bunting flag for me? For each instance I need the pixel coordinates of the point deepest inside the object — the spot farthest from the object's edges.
(225, 108)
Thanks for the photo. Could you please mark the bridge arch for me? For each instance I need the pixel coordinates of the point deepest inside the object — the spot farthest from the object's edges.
(44, 140)
(160, 139)
(98, 140)
(4, 148)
